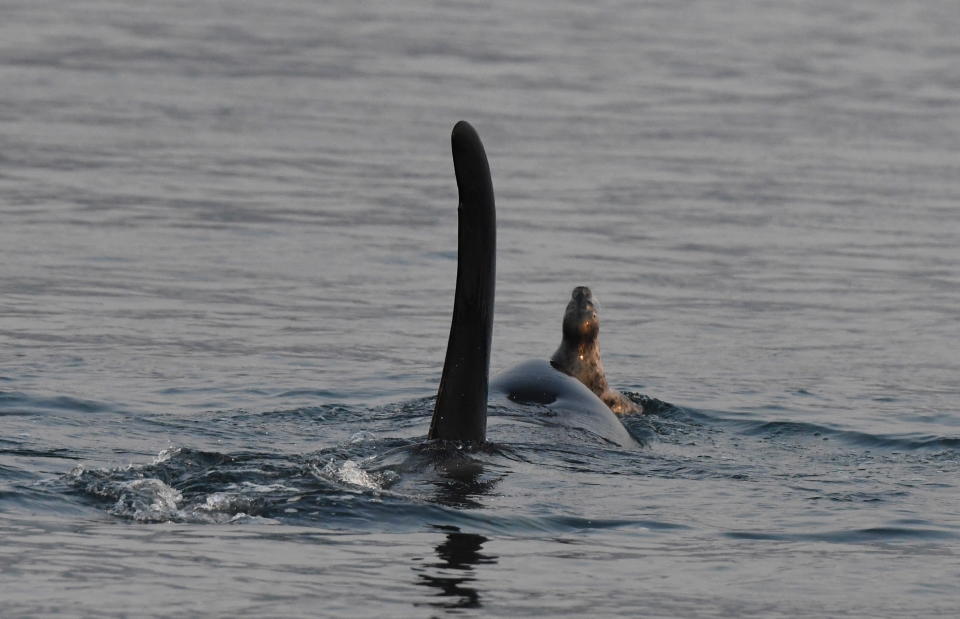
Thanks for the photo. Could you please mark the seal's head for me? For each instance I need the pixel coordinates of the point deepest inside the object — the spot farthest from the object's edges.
(581, 323)
(579, 352)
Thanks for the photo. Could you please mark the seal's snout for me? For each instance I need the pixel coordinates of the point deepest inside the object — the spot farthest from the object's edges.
(580, 321)
(582, 299)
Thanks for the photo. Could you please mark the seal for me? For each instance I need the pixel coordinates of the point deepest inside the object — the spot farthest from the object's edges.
(460, 412)
(579, 352)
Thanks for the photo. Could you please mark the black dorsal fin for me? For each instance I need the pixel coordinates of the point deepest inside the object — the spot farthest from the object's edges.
(460, 413)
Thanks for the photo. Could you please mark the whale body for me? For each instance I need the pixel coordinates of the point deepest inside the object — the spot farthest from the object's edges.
(568, 402)
(460, 412)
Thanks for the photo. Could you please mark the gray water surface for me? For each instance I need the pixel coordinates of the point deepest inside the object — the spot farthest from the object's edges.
(227, 259)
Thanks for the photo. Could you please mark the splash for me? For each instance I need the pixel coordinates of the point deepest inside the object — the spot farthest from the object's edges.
(146, 500)
(349, 472)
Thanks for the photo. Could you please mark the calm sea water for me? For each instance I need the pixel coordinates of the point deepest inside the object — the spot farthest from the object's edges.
(227, 259)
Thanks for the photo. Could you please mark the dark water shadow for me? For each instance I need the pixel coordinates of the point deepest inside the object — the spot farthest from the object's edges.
(459, 475)
(452, 578)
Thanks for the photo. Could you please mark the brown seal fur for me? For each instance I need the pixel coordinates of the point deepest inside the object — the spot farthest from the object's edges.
(579, 352)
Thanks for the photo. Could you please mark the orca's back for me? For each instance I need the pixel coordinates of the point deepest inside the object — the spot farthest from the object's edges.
(538, 384)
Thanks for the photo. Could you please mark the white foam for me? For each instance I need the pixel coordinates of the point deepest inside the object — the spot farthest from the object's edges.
(165, 454)
(349, 472)
(147, 499)
(361, 437)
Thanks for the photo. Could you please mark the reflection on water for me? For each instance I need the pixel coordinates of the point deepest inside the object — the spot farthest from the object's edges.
(463, 478)
(458, 553)
(462, 495)
(461, 483)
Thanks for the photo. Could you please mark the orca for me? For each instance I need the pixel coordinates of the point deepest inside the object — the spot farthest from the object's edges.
(460, 412)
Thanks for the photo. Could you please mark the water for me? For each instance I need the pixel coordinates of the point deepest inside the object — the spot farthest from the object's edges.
(228, 257)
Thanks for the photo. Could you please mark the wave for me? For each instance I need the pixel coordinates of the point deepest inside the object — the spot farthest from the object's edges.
(853, 536)
(18, 403)
(800, 430)
(363, 484)
(904, 441)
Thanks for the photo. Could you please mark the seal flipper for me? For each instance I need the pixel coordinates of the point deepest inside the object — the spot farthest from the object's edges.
(460, 413)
